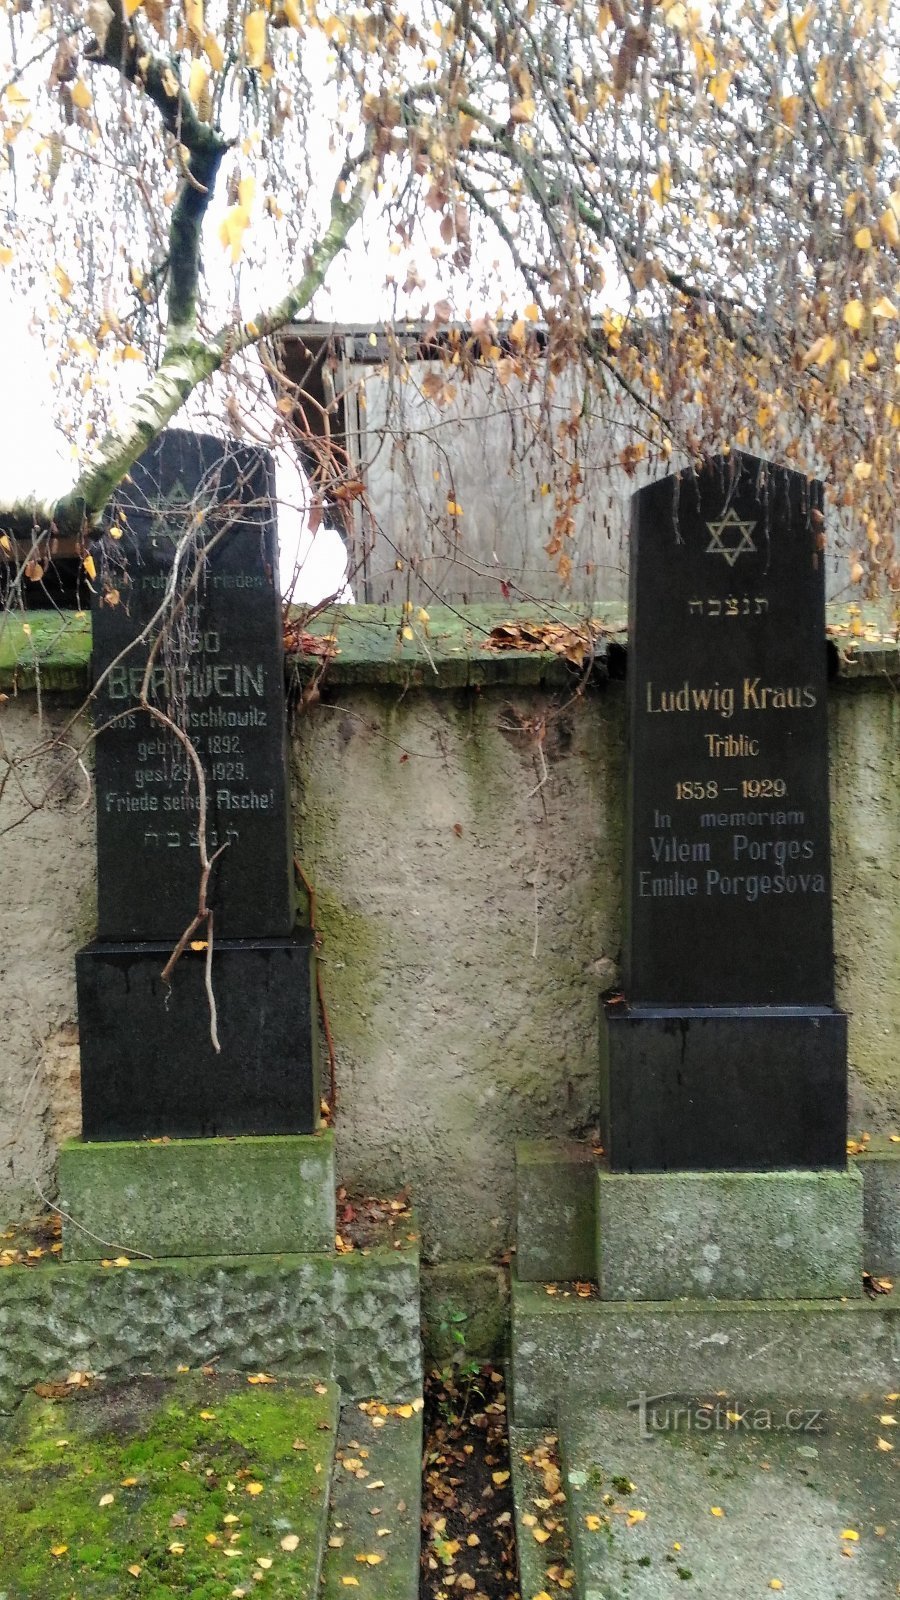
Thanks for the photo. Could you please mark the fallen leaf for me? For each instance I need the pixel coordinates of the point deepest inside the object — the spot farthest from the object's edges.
(540, 1534)
(290, 1541)
(775, 1583)
(500, 1477)
(106, 1500)
(593, 1523)
(58, 1549)
(637, 1516)
(265, 1377)
(717, 1511)
(207, 1416)
(883, 1444)
(850, 1533)
(135, 1570)
(350, 1583)
(176, 1549)
(254, 1488)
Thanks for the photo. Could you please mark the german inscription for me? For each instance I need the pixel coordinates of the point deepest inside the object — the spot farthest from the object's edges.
(729, 874)
(188, 616)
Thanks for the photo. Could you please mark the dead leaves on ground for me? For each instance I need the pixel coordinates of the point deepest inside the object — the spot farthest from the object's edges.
(467, 1501)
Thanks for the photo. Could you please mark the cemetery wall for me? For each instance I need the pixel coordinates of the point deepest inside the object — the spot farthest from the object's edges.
(464, 905)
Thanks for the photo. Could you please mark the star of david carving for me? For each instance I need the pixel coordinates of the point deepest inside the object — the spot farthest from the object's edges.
(723, 541)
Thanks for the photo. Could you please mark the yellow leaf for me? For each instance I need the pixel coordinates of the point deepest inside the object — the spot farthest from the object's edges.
(135, 1570)
(635, 1516)
(169, 83)
(81, 95)
(122, 1261)
(89, 567)
(884, 308)
(717, 1511)
(350, 1583)
(775, 1583)
(863, 238)
(262, 1377)
(854, 311)
(369, 1560)
(63, 280)
(592, 1522)
(106, 1500)
(131, 6)
(255, 37)
(659, 188)
(540, 1534)
(719, 86)
(265, 1562)
(801, 27)
(883, 1444)
(850, 1533)
(229, 1518)
(889, 226)
(128, 1483)
(199, 944)
(820, 353)
(193, 16)
(500, 1477)
(6, 255)
(214, 52)
(176, 1549)
(523, 110)
(254, 1488)
(454, 509)
(197, 81)
(246, 192)
(207, 1416)
(130, 352)
(531, 312)
(58, 1549)
(862, 470)
(887, 1421)
(211, 1538)
(290, 1541)
(292, 12)
(232, 228)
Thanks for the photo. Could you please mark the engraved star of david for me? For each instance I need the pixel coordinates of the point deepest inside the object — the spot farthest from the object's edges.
(744, 544)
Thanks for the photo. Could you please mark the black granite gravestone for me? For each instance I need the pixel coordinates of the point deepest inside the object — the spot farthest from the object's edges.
(197, 521)
(187, 618)
(727, 1050)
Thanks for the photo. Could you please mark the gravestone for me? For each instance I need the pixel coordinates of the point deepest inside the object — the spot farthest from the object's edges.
(727, 1050)
(191, 744)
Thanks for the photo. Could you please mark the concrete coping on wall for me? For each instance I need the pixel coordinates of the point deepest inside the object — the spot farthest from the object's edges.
(446, 647)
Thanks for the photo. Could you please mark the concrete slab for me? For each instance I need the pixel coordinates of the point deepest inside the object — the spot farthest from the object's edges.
(790, 1235)
(197, 1485)
(563, 1345)
(733, 1510)
(879, 1164)
(374, 1527)
(555, 1210)
(198, 1197)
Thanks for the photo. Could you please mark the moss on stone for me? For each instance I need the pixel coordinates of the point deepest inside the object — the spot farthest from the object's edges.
(177, 1458)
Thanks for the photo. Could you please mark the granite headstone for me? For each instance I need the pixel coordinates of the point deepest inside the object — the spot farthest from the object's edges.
(726, 1049)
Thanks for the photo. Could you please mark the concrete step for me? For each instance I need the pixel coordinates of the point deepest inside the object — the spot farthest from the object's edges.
(374, 1520)
(799, 1499)
(569, 1341)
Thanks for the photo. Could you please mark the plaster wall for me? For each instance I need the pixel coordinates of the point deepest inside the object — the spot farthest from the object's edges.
(466, 893)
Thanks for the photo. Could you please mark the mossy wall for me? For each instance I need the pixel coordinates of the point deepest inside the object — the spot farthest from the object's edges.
(466, 891)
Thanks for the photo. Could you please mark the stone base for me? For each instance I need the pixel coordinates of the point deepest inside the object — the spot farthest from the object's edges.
(729, 1235)
(148, 1067)
(554, 1211)
(198, 1197)
(353, 1317)
(879, 1164)
(565, 1347)
(717, 1088)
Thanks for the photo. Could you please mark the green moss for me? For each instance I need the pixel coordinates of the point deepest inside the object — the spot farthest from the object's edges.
(193, 1446)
